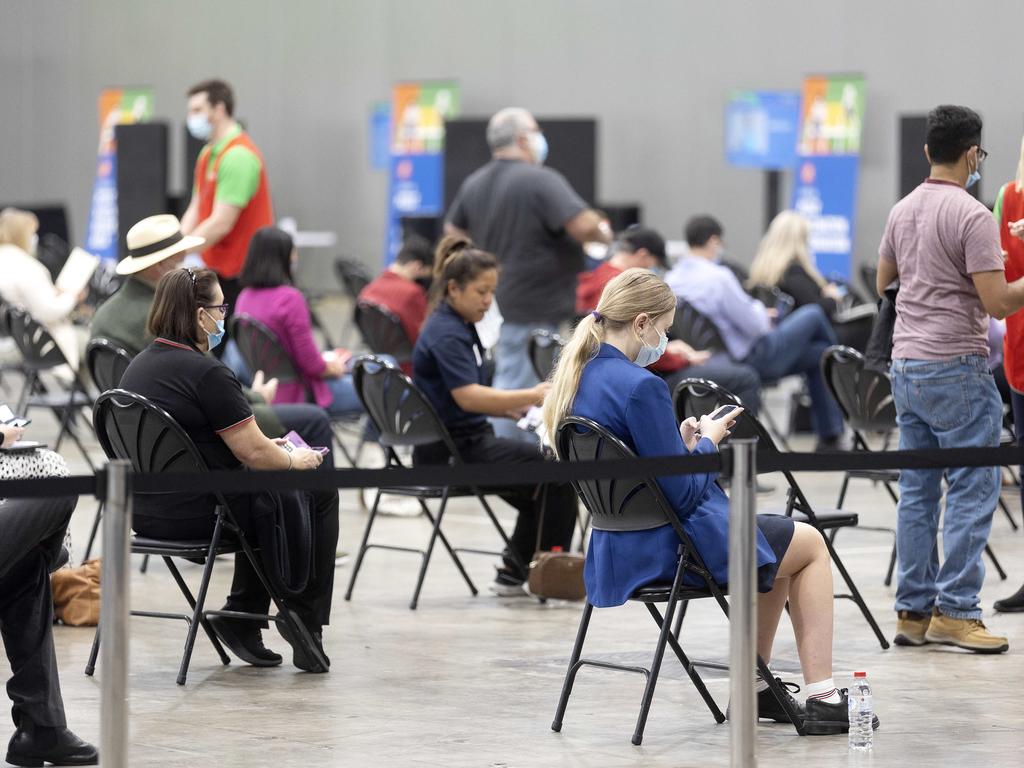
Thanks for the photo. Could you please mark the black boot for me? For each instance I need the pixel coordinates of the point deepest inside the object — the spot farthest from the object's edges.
(1012, 604)
(245, 640)
(32, 745)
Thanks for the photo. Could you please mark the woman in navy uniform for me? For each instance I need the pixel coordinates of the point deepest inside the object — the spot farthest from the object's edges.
(601, 375)
(449, 366)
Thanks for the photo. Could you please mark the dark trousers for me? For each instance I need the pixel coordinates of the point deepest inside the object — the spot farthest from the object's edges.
(31, 533)
(1017, 401)
(740, 379)
(255, 514)
(796, 346)
(559, 500)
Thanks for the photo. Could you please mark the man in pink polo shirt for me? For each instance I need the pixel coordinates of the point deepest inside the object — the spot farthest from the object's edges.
(943, 247)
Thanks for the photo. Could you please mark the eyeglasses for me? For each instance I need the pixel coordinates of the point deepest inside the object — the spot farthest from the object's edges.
(982, 154)
(222, 307)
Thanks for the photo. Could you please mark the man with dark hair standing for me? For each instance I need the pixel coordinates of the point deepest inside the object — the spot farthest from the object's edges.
(752, 333)
(230, 195)
(943, 247)
(534, 222)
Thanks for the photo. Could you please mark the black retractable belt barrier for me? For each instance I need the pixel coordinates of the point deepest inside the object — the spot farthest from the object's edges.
(508, 474)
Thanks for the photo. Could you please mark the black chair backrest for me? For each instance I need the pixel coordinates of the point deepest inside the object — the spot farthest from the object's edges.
(352, 275)
(400, 411)
(869, 277)
(696, 397)
(261, 349)
(544, 348)
(35, 343)
(130, 426)
(695, 329)
(865, 396)
(383, 332)
(107, 363)
(632, 504)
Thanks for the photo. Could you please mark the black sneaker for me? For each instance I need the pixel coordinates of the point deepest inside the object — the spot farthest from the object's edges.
(245, 640)
(315, 661)
(824, 719)
(1012, 604)
(769, 708)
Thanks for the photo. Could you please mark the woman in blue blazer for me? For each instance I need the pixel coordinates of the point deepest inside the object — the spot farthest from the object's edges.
(602, 376)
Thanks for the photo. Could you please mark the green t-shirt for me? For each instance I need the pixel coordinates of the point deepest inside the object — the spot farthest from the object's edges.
(238, 176)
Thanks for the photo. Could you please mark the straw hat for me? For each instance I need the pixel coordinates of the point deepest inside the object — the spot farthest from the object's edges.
(154, 239)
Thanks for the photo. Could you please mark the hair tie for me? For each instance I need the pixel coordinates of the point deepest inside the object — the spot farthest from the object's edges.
(598, 317)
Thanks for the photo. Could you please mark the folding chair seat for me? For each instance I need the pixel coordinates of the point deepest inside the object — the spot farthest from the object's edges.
(633, 505)
(131, 427)
(406, 419)
(696, 396)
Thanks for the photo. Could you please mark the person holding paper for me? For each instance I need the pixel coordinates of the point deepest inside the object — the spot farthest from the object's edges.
(27, 283)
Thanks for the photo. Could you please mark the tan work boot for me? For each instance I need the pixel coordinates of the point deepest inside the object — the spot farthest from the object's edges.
(911, 628)
(964, 633)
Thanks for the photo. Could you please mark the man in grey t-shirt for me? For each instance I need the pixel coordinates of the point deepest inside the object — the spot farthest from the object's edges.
(533, 221)
(943, 247)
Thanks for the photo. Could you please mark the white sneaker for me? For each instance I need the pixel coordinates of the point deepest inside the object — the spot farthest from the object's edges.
(503, 588)
(399, 507)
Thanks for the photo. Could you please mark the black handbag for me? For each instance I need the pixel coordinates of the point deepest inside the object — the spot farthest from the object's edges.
(878, 354)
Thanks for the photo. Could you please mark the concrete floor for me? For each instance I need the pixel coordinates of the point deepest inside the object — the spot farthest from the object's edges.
(469, 681)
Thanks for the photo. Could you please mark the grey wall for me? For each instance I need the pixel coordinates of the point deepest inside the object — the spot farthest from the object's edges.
(654, 73)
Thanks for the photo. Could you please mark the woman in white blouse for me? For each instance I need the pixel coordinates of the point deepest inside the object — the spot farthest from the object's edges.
(25, 282)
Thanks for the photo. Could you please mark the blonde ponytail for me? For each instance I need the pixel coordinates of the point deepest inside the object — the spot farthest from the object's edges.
(634, 292)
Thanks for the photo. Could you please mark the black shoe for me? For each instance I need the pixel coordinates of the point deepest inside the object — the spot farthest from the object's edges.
(315, 661)
(832, 444)
(769, 708)
(1012, 604)
(824, 719)
(34, 745)
(245, 640)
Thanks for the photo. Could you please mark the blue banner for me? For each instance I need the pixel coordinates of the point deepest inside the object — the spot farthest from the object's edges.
(417, 189)
(825, 192)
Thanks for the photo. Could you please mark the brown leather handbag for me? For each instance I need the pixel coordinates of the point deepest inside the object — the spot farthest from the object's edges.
(555, 575)
(76, 594)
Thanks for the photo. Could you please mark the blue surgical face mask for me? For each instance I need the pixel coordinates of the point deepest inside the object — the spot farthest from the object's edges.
(649, 355)
(973, 179)
(214, 339)
(539, 147)
(199, 126)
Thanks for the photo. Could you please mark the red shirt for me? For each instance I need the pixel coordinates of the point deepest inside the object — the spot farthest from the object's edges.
(403, 298)
(1013, 343)
(590, 286)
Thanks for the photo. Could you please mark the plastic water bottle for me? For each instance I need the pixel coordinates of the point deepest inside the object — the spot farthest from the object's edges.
(860, 712)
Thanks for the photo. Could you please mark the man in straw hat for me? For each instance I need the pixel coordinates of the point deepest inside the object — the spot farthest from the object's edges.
(156, 246)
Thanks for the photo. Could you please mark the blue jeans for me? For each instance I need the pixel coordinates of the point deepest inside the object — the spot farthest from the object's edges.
(513, 370)
(796, 346)
(945, 404)
(233, 359)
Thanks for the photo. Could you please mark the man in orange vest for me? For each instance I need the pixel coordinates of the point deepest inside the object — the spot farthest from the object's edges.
(230, 196)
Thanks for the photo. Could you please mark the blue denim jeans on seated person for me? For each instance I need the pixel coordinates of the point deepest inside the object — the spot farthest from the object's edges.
(945, 404)
(794, 346)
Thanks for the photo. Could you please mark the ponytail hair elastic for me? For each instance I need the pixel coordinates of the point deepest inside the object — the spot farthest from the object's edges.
(598, 317)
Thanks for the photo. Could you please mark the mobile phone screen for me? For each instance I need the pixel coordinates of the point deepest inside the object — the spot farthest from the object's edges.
(725, 410)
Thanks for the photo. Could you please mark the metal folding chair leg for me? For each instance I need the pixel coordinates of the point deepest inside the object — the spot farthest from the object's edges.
(92, 533)
(362, 546)
(655, 671)
(855, 594)
(504, 536)
(995, 561)
(197, 612)
(574, 667)
(451, 550)
(429, 551)
(176, 574)
(691, 670)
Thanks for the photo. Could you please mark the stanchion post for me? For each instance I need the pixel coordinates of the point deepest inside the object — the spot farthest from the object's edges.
(742, 605)
(114, 615)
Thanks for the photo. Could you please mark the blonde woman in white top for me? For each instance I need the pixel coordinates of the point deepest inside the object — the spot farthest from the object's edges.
(26, 282)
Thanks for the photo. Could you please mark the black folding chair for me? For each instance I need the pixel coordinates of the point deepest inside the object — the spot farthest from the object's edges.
(383, 332)
(636, 505)
(865, 398)
(5, 333)
(41, 353)
(262, 351)
(406, 419)
(131, 427)
(697, 330)
(697, 396)
(544, 349)
(352, 275)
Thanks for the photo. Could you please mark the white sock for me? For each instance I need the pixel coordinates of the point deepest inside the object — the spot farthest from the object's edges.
(824, 691)
(760, 684)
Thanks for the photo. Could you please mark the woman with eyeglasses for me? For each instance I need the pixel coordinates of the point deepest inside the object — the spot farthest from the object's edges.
(203, 396)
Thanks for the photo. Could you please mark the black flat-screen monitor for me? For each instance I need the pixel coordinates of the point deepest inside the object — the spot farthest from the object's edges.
(572, 151)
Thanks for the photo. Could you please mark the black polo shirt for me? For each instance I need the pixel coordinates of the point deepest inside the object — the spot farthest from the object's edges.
(449, 355)
(197, 390)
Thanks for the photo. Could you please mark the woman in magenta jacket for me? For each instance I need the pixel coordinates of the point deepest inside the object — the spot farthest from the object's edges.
(270, 296)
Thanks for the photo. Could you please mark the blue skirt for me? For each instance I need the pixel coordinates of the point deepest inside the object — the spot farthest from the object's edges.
(778, 531)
